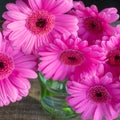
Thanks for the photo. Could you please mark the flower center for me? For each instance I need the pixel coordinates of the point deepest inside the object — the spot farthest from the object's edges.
(71, 57)
(93, 25)
(1, 65)
(98, 94)
(114, 57)
(6, 65)
(41, 22)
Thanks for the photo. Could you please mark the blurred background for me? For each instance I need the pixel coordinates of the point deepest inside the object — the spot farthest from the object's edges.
(2, 6)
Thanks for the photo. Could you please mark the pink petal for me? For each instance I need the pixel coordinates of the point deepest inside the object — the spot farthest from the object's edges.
(16, 15)
(1, 37)
(23, 7)
(29, 44)
(3, 96)
(4, 15)
(26, 37)
(11, 91)
(74, 90)
(66, 24)
(79, 85)
(49, 4)
(89, 112)
(46, 58)
(66, 19)
(23, 92)
(94, 8)
(73, 101)
(110, 14)
(107, 79)
(96, 79)
(16, 35)
(11, 6)
(61, 6)
(29, 64)
(82, 106)
(98, 113)
(27, 73)
(20, 83)
(22, 58)
(46, 53)
(35, 4)
(114, 113)
(43, 64)
(51, 66)
(39, 42)
(19, 98)
(59, 73)
(16, 25)
(106, 111)
(51, 73)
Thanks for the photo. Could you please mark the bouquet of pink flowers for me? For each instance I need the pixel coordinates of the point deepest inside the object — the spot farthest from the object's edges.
(62, 39)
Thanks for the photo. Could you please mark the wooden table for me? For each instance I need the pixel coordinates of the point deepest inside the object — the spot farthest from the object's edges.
(27, 109)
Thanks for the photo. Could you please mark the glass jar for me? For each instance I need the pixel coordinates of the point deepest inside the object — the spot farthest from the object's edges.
(53, 94)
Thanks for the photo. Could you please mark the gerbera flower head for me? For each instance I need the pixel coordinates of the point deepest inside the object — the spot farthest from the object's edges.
(15, 69)
(60, 58)
(94, 97)
(33, 23)
(111, 47)
(93, 25)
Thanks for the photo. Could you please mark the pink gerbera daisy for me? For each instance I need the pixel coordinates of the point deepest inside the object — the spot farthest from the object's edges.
(112, 51)
(94, 97)
(93, 24)
(60, 58)
(15, 69)
(35, 22)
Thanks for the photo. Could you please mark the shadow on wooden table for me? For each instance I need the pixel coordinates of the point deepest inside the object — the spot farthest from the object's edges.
(27, 109)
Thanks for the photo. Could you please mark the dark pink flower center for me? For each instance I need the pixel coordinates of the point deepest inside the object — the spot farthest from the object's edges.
(71, 57)
(93, 25)
(1, 65)
(114, 57)
(41, 22)
(98, 94)
(6, 65)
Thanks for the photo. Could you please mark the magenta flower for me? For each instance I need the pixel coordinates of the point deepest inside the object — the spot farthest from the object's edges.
(60, 58)
(112, 51)
(93, 24)
(15, 69)
(36, 22)
(94, 97)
